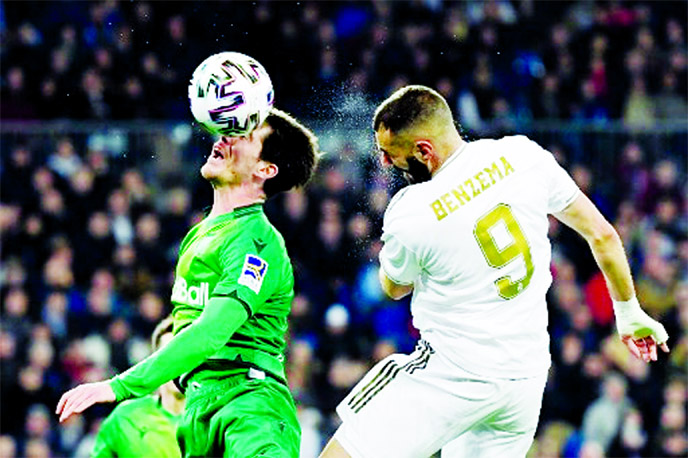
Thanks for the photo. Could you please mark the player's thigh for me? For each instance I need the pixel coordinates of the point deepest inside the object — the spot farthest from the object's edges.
(512, 430)
(509, 431)
(193, 429)
(483, 442)
(409, 406)
(520, 411)
(260, 421)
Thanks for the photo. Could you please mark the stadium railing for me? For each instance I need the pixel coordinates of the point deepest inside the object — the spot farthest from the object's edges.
(165, 145)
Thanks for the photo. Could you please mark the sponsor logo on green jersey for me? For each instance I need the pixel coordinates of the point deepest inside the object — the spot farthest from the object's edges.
(191, 295)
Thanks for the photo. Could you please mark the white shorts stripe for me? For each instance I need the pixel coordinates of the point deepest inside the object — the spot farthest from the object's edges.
(387, 374)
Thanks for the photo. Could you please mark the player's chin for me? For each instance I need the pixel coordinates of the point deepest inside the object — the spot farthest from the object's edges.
(209, 171)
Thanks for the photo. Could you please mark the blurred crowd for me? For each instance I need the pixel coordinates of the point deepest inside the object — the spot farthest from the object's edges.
(89, 239)
(509, 60)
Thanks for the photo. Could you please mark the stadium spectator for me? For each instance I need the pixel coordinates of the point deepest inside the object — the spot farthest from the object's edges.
(603, 418)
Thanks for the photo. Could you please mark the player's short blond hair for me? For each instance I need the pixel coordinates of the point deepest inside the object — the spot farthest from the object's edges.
(164, 327)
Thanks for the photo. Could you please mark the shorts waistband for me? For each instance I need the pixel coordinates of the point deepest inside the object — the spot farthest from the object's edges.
(239, 372)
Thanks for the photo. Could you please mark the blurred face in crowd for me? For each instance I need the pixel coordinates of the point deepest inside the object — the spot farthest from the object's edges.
(8, 447)
(236, 160)
(99, 225)
(150, 306)
(148, 228)
(37, 448)
(8, 345)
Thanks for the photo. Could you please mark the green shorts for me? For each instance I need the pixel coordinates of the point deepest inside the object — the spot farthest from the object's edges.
(239, 417)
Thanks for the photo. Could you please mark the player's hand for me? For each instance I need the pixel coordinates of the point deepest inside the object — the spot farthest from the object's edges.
(641, 334)
(645, 349)
(82, 397)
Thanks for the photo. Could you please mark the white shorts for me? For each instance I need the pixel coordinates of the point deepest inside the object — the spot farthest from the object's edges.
(415, 405)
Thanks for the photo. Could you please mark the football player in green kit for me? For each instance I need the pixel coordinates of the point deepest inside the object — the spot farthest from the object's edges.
(145, 426)
(232, 296)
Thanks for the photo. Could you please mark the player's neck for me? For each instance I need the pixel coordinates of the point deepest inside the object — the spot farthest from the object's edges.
(226, 199)
(452, 147)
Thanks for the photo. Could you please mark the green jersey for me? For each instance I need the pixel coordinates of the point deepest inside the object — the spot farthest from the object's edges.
(138, 428)
(242, 256)
(232, 296)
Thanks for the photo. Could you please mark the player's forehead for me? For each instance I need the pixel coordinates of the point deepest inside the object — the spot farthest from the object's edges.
(385, 139)
(389, 142)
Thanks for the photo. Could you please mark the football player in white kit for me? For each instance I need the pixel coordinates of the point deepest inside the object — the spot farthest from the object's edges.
(469, 240)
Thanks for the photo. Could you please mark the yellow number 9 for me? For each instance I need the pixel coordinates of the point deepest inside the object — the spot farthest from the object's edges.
(499, 257)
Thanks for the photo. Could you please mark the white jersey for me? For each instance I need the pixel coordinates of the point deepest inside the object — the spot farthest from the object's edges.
(473, 242)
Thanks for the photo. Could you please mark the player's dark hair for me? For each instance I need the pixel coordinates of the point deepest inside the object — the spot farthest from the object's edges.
(164, 327)
(293, 148)
(409, 105)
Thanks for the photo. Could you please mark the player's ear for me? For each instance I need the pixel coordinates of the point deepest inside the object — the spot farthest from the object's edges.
(424, 150)
(267, 170)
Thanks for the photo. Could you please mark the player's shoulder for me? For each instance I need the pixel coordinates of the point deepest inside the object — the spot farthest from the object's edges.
(258, 236)
(520, 143)
(404, 204)
(521, 149)
(402, 214)
(250, 226)
(263, 229)
(395, 201)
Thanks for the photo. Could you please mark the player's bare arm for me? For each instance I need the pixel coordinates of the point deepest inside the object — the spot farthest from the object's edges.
(392, 289)
(640, 333)
(586, 219)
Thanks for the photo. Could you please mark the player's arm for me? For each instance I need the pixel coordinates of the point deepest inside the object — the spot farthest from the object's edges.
(582, 216)
(399, 267)
(391, 289)
(220, 318)
(640, 333)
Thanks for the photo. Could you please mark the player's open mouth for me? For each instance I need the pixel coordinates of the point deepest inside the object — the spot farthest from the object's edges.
(217, 153)
(221, 151)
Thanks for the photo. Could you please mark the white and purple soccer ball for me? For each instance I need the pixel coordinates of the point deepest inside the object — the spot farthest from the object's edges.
(231, 94)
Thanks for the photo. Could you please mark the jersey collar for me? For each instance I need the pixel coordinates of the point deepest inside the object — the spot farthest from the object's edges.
(238, 212)
(248, 209)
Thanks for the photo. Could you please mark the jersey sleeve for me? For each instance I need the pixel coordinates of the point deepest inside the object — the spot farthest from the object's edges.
(399, 263)
(220, 318)
(562, 189)
(252, 269)
(398, 260)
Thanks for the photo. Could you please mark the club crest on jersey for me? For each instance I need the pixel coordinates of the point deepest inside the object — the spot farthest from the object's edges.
(253, 272)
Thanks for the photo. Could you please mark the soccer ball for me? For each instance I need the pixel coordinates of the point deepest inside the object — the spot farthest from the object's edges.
(230, 94)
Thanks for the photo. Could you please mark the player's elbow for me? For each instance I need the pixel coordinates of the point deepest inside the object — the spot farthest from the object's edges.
(398, 291)
(391, 289)
(603, 236)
